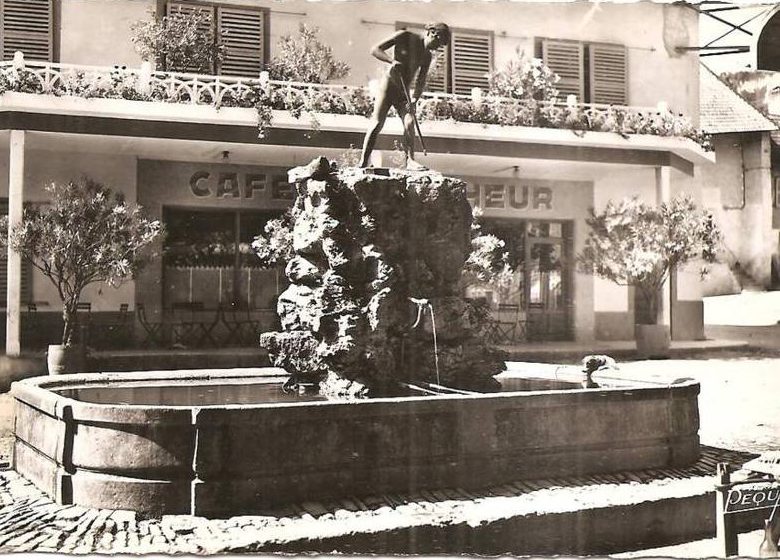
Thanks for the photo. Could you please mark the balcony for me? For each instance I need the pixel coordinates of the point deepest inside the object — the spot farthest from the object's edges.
(265, 112)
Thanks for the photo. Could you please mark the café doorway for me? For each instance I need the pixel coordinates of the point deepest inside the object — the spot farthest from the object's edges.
(541, 254)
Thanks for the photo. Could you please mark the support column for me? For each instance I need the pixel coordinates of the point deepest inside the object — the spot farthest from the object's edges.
(663, 193)
(14, 275)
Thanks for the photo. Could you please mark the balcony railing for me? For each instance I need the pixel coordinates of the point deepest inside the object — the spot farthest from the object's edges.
(266, 95)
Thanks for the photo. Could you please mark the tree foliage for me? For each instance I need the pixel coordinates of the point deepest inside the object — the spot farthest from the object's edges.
(304, 58)
(274, 247)
(634, 244)
(86, 234)
(179, 42)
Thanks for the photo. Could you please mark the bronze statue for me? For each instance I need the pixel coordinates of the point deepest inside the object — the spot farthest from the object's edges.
(412, 55)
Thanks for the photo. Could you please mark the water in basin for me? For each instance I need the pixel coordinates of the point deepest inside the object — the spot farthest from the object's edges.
(216, 393)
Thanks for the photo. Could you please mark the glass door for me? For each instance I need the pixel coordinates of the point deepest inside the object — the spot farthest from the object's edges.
(548, 270)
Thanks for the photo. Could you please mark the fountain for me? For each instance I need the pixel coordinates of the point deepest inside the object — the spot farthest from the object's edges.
(374, 297)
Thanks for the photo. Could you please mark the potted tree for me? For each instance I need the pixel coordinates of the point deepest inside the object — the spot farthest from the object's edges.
(85, 234)
(635, 244)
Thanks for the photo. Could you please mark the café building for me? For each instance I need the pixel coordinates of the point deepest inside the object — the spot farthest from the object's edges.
(201, 168)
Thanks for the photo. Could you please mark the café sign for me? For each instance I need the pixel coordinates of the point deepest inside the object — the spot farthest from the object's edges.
(510, 196)
(233, 185)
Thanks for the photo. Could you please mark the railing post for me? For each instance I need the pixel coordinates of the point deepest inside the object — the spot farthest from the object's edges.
(476, 96)
(725, 529)
(144, 84)
(18, 61)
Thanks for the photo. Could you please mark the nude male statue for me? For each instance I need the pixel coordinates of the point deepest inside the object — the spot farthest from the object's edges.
(412, 55)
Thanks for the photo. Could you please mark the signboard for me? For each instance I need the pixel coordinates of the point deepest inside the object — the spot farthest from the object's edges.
(510, 197)
(207, 184)
(750, 497)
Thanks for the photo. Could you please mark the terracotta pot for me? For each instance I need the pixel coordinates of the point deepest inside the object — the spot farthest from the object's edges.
(66, 359)
(653, 341)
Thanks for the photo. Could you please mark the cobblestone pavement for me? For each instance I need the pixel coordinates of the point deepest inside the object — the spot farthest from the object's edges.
(31, 522)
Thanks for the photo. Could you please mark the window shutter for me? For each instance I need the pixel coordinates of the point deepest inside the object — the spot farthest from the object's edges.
(608, 69)
(27, 26)
(242, 34)
(182, 8)
(566, 59)
(472, 60)
(438, 78)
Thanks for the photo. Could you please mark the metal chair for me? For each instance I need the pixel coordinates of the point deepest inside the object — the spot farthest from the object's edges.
(509, 326)
(121, 331)
(185, 325)
(155, 334)
(241, 329)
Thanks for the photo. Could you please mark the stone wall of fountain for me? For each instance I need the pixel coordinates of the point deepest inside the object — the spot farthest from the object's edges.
(378, 260)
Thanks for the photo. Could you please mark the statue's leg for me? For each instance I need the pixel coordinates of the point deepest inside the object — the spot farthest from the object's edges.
(409, 135)
(381, 107)
(408, 120)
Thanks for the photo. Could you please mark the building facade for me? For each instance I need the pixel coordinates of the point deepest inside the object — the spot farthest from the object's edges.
(741, 47)
(202, 169)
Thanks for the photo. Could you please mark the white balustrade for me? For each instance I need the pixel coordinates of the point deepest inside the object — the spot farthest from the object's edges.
(146, 84)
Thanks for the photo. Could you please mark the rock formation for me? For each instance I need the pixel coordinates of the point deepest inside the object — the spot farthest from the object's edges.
(378, 259)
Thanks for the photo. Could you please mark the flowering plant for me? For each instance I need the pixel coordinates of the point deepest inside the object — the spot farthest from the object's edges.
(527, 79)
(86, 234)
(634, 244)
(179, 42)
(304, 58)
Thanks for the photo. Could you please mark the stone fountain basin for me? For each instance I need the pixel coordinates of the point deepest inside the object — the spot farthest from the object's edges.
(106, 440)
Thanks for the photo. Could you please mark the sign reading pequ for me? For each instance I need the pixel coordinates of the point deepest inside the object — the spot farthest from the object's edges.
(204, 184)
(752, 497)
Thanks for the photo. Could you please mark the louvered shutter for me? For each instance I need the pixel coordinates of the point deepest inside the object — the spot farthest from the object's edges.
(206, 26)
(242, 32)
(566, 59)
(27, 26)
(472, 60)
(438, 78)
(608, 70)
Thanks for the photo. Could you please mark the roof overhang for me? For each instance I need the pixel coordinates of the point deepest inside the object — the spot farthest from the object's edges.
(230, 125)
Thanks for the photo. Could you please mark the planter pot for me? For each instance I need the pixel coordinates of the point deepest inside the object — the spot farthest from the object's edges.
(653, 341)
(66, 359)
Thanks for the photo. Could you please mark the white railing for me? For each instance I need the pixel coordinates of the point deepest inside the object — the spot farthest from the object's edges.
(179, 87)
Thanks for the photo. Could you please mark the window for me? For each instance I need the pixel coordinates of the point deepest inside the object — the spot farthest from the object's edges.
(28, 26)
(243, 32)
(461, 66)
(594, 72)
(208, 259)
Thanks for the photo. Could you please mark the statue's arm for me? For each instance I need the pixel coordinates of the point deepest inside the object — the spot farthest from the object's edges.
(422, 76)
(379, 50)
